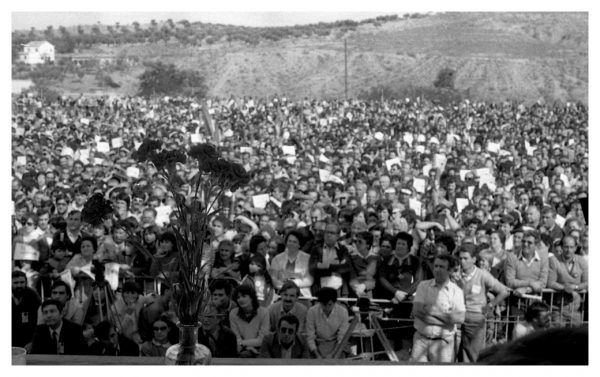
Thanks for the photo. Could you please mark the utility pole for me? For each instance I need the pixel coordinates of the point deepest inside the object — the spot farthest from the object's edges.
(345, 69)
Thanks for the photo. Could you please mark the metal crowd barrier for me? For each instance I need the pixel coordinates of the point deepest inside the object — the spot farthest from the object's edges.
(565, 310)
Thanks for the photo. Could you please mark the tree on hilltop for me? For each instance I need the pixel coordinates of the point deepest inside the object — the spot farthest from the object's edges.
(445, 79)
(165, 79)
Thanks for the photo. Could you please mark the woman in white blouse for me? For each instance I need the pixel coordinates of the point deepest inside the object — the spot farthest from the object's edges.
(292, 264)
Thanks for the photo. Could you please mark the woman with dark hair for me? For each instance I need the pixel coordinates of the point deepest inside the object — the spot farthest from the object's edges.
(292, 264)
(150, 238)
(363, 265)
(88, 249)
(258, 277)
(397, 273)
(249, 321)
(165, 261)
(162, 339)
(257, 244)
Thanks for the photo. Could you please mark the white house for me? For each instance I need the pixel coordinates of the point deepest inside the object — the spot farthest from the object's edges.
(37, 52)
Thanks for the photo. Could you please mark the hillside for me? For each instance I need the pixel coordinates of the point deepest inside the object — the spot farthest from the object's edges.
(496, 56)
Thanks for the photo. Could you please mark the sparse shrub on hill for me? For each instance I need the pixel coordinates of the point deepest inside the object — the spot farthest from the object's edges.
(166, 79)
(445, 78)
(106, 80)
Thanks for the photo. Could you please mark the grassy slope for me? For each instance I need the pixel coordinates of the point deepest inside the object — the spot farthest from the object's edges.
(496, 56)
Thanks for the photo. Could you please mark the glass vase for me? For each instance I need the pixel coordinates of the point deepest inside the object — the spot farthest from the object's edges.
(188, 351)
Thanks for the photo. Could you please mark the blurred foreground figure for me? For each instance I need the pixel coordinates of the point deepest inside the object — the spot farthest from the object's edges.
(558, 346)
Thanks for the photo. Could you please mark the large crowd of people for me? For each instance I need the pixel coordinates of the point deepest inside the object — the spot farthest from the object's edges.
(446, 214)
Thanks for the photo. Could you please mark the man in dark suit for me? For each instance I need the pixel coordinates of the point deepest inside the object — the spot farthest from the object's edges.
(57, 335)
(285, 343)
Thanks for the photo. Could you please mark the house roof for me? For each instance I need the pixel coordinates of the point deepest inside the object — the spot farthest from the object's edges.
(36, 43)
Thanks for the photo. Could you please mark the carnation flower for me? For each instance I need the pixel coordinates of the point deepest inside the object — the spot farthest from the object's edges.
(96, 209)
(203, 152)
(147, 150)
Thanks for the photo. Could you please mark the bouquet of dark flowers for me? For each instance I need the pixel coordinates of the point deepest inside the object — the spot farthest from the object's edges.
(215, 177)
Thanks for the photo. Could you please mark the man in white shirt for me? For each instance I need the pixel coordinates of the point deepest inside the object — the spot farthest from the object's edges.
(439, 306)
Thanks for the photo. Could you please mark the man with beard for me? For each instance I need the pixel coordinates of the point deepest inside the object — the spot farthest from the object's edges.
(438, 306)
(25, 303)
(285, 342)
(288, 305)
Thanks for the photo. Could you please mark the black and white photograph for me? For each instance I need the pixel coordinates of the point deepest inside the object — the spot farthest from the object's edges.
(341, 185)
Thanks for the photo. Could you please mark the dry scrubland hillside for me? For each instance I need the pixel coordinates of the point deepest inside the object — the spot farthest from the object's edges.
(495, 55)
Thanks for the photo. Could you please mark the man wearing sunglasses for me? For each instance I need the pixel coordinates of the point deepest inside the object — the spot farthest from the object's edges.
(285, 342)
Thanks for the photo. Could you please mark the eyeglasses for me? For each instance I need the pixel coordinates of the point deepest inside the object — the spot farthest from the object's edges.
(162, 328)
